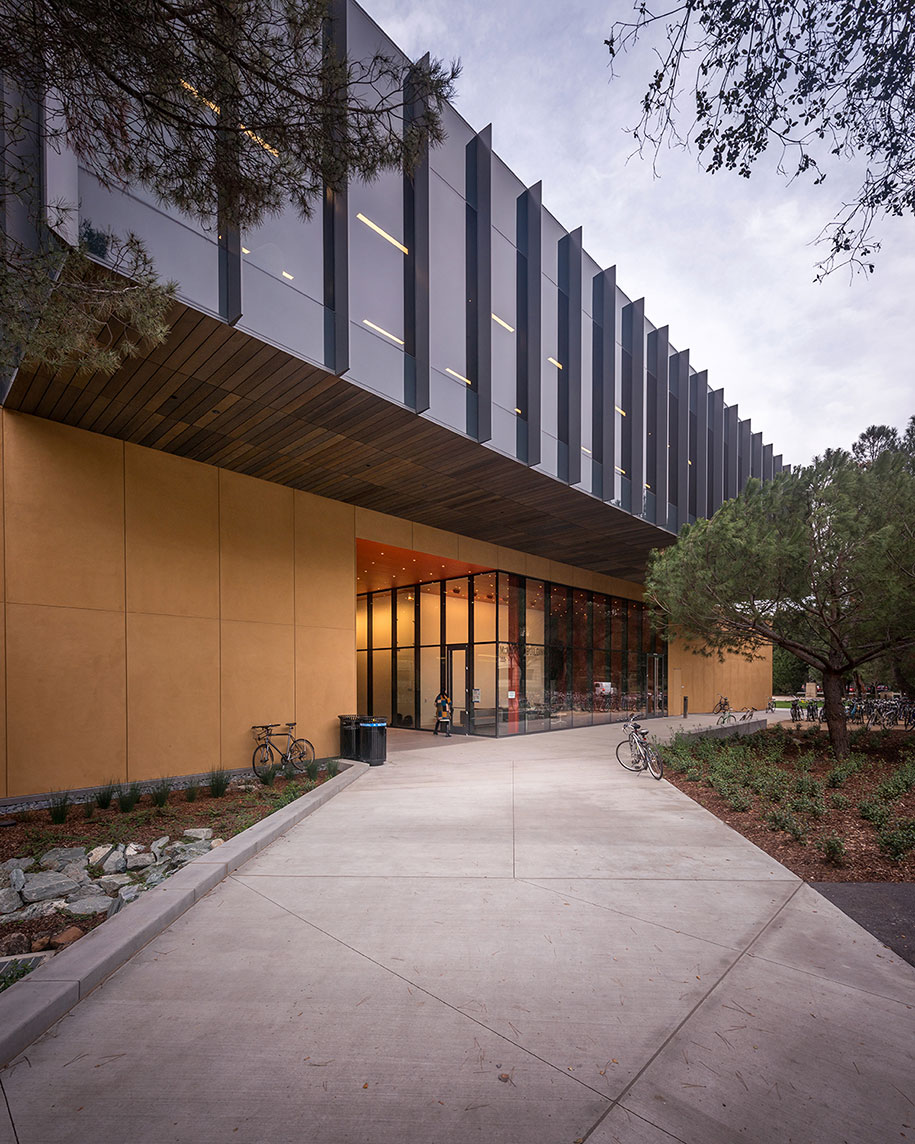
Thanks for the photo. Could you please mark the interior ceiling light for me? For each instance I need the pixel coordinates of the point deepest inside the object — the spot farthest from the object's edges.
(619, 470)
(584, 450)
(384, 234)
(621, 412)
(503, 323)
(245, 250)
(460, 377)
(378, 329)
(286, 274)
(554, 362)
(518, 411)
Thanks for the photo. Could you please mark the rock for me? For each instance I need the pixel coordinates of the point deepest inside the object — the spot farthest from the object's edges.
(40, 887)
(9, 901)
(17, 864)
(4, 879)
(60, 856)
(65, 937)
(199, 833)
(217, 842)
(140, 861)
(155, 875)
(133, 848)
(17, 878)
(91, 904)
(37, 910)
(159, 845)
(14, 943)
(111, 883)
(115, 863)
(98, 855)
(130, 893)
(77, 871)
(41, 943)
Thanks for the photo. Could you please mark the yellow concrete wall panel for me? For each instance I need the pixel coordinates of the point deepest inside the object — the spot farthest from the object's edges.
(66, 696)
(257, 550)
(172, 695)
(437, 541)
(325, 563)
(64, 515)
(511, 560)
(538, 567)
(703, 679)
(172, 512)
(257, 684)
(325, 685)
(478, 552)
(383, 529)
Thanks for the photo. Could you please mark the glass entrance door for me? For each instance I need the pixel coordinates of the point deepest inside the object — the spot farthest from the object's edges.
(457, 684)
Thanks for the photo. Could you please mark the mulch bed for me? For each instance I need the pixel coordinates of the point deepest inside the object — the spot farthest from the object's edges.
(864, 861)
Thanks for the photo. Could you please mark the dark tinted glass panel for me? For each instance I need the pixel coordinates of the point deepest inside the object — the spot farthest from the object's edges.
(559, 615)
(535, 707)
(581, 618)
(581, 687)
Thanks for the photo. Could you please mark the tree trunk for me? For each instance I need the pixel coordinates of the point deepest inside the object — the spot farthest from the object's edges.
(834, 706)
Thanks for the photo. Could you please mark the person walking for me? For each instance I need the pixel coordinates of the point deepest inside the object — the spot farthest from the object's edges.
(443, 710)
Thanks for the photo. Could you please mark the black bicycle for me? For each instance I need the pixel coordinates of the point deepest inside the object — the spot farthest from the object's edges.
(268, 758)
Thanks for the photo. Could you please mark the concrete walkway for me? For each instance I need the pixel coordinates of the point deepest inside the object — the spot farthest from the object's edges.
(512, 941)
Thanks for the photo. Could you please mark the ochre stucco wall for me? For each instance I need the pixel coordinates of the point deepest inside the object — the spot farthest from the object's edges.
(704, 678)
(154, 608)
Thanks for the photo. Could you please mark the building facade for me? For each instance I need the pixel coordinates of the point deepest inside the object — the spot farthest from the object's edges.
(422, 439)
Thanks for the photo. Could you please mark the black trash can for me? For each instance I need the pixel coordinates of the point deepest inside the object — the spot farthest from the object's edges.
(372, 741)
(349, 735)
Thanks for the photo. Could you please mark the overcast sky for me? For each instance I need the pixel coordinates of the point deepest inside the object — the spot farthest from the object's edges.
(727, 263)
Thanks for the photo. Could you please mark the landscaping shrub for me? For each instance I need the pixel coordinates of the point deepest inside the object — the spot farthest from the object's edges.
(128, 799)
(219, 780)
(60, 806)
(160, 792)
(333, 768)
(105, 794)
(191, 792)
(874, 811)
(833, 849)
(898, 839)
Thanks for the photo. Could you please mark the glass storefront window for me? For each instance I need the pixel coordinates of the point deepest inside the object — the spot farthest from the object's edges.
(430, 615)
(406, 617)
(595, 666)
(484, 607)
(404, 712)
(457, 596)
(484, 711)
(381, 619)
(381, 684)
(534, 596)
(535, 707)
(362, 622)
(581, 618)
(430, 681)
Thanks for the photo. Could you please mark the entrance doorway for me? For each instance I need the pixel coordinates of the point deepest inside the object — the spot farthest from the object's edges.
(457, 684)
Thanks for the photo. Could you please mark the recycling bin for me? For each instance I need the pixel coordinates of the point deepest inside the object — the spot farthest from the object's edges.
(349, 735)
(372, 741)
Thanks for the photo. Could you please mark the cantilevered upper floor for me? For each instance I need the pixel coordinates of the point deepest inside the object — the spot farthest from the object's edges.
(436, 346)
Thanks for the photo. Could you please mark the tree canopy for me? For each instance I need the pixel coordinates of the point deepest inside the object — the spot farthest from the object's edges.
(819, 561)
(225, 109)
(820, 81)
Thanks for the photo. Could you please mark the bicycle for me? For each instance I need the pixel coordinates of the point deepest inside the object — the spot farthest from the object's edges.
(727, 715)
(721, 706)
(635, 753)
(770, 706)
(747, 714)
(268, 757)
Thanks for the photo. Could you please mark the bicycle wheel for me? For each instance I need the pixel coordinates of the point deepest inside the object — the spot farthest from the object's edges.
(300, 754)
(628, 755)
(654, 761)
(726, 717)
(263, 759)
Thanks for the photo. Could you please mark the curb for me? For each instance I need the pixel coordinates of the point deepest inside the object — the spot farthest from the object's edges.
(35, 1003)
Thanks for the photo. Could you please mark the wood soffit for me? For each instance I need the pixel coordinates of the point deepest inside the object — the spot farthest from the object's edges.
(217, 395)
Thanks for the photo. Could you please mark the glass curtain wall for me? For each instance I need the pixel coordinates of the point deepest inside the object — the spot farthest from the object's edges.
(517, 655)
